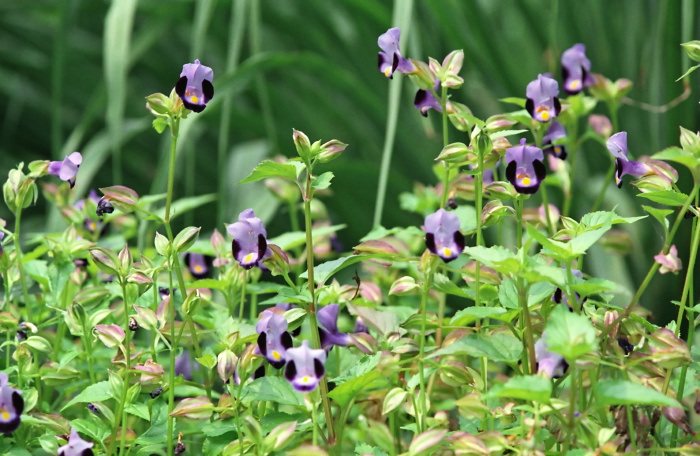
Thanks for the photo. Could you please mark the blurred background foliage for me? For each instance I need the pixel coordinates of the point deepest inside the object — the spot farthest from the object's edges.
(75, 73)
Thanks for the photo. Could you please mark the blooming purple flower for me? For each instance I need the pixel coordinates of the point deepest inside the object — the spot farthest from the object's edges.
(554, 132)
(305, 367)
(576, 69)
(425, 100)
(273, 338)
(542, 102)
(617, 145)
(249, 240)
(391, 59)
(198, 264)
(11, 406)
(76, 446)
(552, 365)
(195, 86)
(442, 235)
(330, 335)
(67, 169)
(91, 225)
(525, 169)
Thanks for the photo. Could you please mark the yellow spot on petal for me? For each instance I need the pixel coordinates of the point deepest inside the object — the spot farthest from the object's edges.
(198, 269)
(248, 258)
(92, 226)
(276, 355)
(447, 252)
(306, 379)
(194, 99)
(575, 84)
(557, 150)
(545, 116)
(525, 180)
(387, 72)
(5, 415)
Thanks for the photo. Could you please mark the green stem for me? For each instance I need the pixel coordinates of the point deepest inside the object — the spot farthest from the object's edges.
(20, 265)
(445, 142)
(120, 415)
(688, 277)
(527, 326)
(171, 369)
(315, 335)
(518, 202)
(604, 188)
(422, 401)
(241, 304)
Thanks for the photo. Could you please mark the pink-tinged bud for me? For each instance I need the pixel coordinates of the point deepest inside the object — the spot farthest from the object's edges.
(110, 335)
(126, 260)
(501, 190)
(371, 292)
(146, 318)
(331, 150)
(151, 372)
(279, 435)
(454, 373)
(226, 365)
(668, 350)
(139, 278)
(466, 443)
(453, 153)
(159, 104)
(678, 417)
(195, 408)
(690, 142)
(106, 260)
(538, 215)
(163, 311)
(610, 317)
(375, 246)
(451, 66)
(404, 285)
(426, 441)
(499, 122)
(601, 125)
(365, 342)
(278, 263)
(494, 211)
(669, 262)
(302, 144)
(218, 241)
(121, 197)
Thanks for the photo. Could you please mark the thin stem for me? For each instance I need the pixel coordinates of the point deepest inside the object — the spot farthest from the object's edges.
(241, 304)
(604, 188)
(527, 326)
(20, 265)
(315, 335)
(518, 202)
(171, 369)
(127, 360)
(421, 414)
(445, 142)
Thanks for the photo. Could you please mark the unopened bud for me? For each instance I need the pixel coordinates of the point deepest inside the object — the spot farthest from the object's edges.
(226, 365)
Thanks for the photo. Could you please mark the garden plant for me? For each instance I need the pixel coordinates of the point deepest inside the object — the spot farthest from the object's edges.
(481, 322)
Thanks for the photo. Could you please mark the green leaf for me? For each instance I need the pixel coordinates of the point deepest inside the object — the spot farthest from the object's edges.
(207, 360)
(98, 392)
(159, 426)
(322, 181)
(690, 70)
(140, 410)
(514, 100)
(497, 347)
(659, 214)
(678, 155)
(667, 197)
(325, 271)
(274, 389)
(471, 314)
(505, 133)
(160, 124)
(269, 168)
(183, 205)
(570, 335)
(497, 257)
(90, 428)
(625, 392)
(345, 393)
(528, 388)
(362, 448)
(443, 283)
(292, 239)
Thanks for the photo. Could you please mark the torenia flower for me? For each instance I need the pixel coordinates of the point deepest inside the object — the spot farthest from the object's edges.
(330, 335)
(11, 406)
(617, 145)
(195, 86)
(669, 262)
(554, 132)
(551, 365)
(576, 69)
(198, 264)
(273, 338)
(442, 235)
(76, 446)
(542, 102)
(391, 59)
(525, 169)
(249, 240)
(67, 169)
(425, 100)
(305, 367)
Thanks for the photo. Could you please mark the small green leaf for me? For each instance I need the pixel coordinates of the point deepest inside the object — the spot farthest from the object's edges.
(570, 335)
(344, 393)
(207, 360)
(678, 155)
(497, 257)
(140, 410)
(690, 70)
(97, 392)
(322, 181)
(160, 124)
(505, 133)
(528, 388)
(667, 197)
(269, 168)
(625, 392)
(274, 389)
(659, 214)
(497, 347)
(514, 100)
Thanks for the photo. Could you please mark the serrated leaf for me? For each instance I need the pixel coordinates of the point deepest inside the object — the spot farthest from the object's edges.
(528, 388)
(497, 347)
(570, 335)
(97, 392)
(274, 389)
(497, 257)
(625, 392)
(345, 393)
(505, 133)
(184, 205)
(323, 181)
(678, 155)
(667, 197)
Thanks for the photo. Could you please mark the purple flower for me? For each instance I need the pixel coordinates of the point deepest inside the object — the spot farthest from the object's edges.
(576, 69)
(328, 318)
(2, 235)
(76, 446)
(104, 206)
(195, 86)
(425, 100)
(305, 367)
(525, 169)
(559, 296)
(554, 132)
(391, 59)
(551, 364)
(542, 102)
(273, 338)
(198, 264)
(249, 240)
(11, 406)
(67, 169)
(183, 366)
(669, 262)
(91, 225)
(442, 236)
(617, 145)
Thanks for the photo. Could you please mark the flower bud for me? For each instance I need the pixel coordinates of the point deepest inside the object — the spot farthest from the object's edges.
(331, 150)
(121, 197)
(402, 286)
(195, 408)
(667, 349)
(106, 260)
(226, 365)
(151, 372)
(601, 125)
(110, 335)
(302, 144)
(278, 263)
(678, 417)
